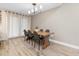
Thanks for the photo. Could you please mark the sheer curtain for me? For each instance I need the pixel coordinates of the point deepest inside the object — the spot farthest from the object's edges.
(13, 25)
(10, 24)
(16, 24)
(24, 24)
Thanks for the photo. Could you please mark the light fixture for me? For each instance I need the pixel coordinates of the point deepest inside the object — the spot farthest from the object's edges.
(28, 12)
(35, 9)
(32, 10)
(41, 6)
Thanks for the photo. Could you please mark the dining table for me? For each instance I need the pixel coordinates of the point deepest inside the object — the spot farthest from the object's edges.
(45, 40)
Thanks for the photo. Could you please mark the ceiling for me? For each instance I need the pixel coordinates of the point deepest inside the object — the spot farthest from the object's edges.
(24, 7)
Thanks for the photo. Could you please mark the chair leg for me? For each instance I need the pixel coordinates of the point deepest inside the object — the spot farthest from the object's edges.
(31, 42)
(0, 44)
(34, 44)
(39, 46)
(49, 42)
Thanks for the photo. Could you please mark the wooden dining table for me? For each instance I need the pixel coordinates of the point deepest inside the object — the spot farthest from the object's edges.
(41, 33)
(45, 40)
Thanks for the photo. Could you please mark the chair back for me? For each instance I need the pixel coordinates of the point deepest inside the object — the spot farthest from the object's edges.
(36, 37)
(41, 30)
(47, 30)
(25, 33)
(30, 34)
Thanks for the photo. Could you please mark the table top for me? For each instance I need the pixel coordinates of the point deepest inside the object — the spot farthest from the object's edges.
(43, 33)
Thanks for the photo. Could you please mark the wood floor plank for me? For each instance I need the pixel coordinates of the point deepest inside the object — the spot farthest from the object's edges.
(19, 47)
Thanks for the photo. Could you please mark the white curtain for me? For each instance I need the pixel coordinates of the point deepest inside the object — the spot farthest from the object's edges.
(16, 24)
(24, 25)
(10, 24)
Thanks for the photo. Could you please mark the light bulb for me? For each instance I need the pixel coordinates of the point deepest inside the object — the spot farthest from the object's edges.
(29, 12)
(36, 9)
(41, 6)
(32, 10)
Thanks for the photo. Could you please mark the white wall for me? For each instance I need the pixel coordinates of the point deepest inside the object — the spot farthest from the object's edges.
(64, 21)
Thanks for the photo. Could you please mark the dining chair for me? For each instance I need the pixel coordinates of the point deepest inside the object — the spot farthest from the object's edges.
(30, 35)
(36, 39)
(25, 34)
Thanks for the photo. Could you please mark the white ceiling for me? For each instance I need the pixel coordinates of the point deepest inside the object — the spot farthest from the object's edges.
(24, 7)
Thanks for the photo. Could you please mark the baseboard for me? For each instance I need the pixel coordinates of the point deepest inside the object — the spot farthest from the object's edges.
(65, 44)
(16, 37)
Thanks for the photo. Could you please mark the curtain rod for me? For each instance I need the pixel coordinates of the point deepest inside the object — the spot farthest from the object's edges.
(15, 13)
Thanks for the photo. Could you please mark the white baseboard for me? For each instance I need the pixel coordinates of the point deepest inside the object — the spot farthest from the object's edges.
(15, 37)
(65, 44)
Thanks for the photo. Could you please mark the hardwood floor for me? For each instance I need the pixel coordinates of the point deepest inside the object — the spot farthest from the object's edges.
(19, 47)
